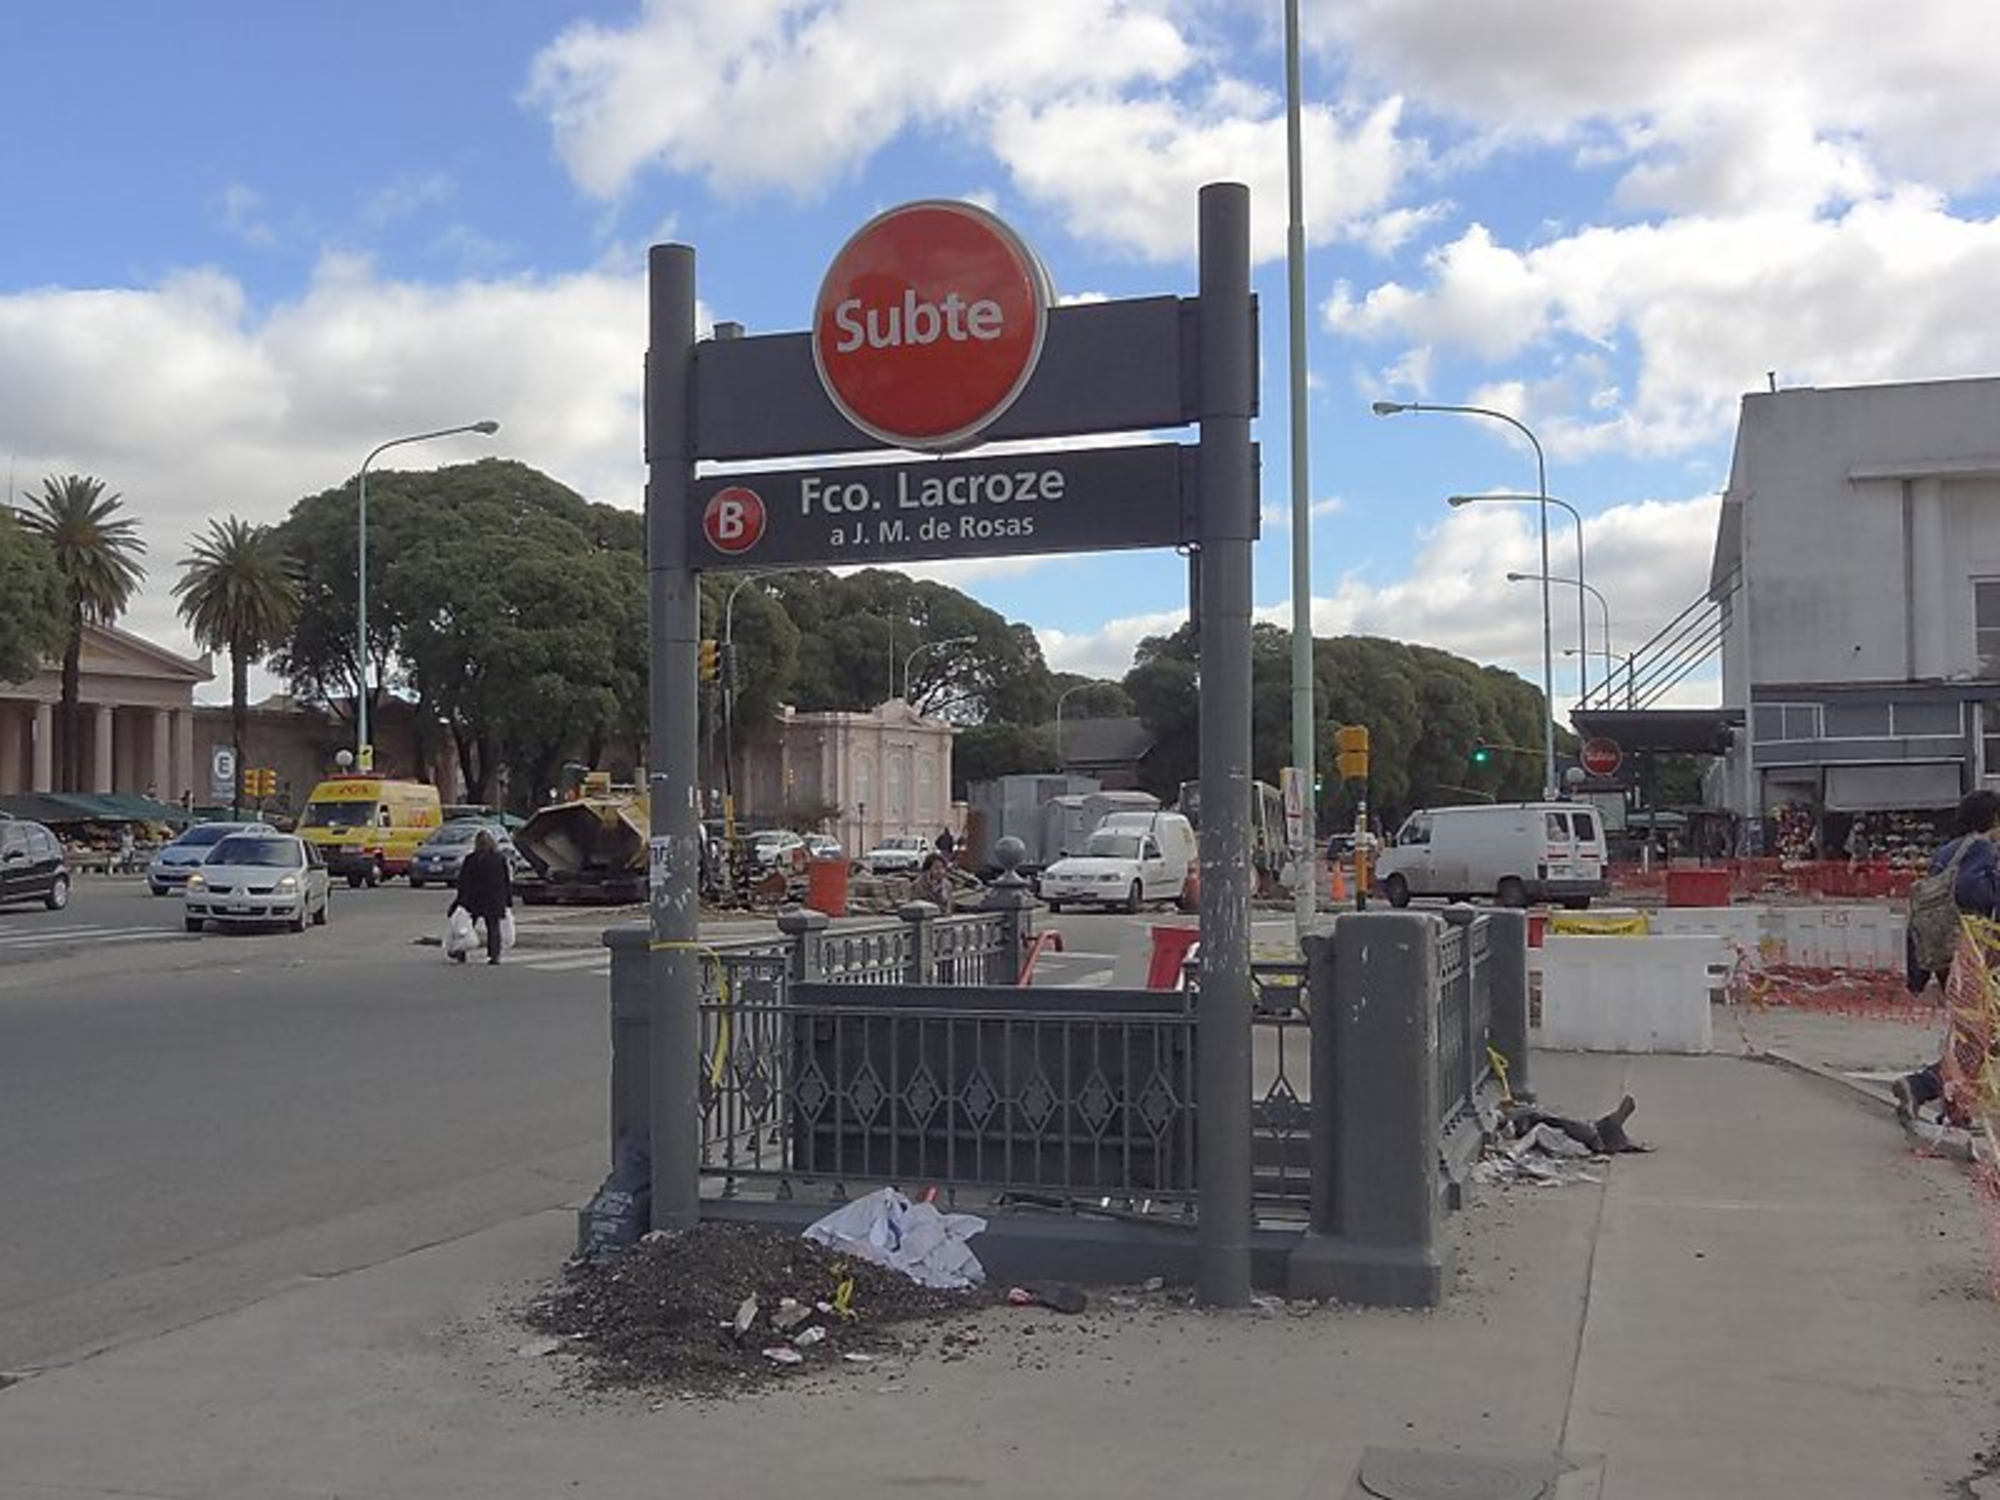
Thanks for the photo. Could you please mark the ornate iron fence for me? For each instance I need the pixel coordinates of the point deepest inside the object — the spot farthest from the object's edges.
(1464, 1016)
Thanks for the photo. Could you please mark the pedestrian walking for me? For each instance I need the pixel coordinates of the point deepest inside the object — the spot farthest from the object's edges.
(485, 891)
(1967, 868)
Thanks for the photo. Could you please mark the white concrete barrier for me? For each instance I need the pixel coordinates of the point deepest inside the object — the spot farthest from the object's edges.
(1853, 936)
(1635, 994)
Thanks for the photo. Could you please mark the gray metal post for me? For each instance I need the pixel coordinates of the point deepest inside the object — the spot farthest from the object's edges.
(1507, 956)
(1010, 895)
(1306, 867)
(921, 915)
(1228, 395)
(673, 742)
(631, 1020)
(807, 930)
(1373, 1238)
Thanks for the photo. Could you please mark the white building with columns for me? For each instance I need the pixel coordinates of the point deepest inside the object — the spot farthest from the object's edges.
(136, 722)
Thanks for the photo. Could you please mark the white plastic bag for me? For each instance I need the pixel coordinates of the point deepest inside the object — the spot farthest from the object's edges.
(506, 932)
(458, 933)
(914, 1238)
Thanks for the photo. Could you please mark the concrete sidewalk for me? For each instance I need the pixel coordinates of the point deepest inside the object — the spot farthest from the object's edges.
(1782, 1302)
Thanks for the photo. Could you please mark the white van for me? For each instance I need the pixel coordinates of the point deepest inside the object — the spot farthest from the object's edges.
(1129, 859)
(1515, 852)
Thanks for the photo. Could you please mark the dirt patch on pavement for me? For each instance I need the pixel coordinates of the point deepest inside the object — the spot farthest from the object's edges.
(726, 1307)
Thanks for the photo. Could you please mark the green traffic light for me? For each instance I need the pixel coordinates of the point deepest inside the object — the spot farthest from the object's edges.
(1481, 754)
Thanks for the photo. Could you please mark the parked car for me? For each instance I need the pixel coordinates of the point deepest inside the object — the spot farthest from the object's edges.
(1131, 859)
(775, 849)
(823, 846)
(169, 867)
(1514, 852)
(903, 855)
(32, 865)
(438, 857)
(253, 878)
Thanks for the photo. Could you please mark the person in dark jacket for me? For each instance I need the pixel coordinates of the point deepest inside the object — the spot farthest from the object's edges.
(485, 891)
(1977, 891)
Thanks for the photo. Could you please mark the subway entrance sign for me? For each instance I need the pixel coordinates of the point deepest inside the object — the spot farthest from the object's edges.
(1082, 500)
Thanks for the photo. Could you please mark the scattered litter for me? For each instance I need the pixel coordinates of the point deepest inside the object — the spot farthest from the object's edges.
(539, 1348)
(1123, 1303)
(1057, 1296)
(780, 1355)
(806, 1338)
(1541, 1149)
(885, 1227)
(858, 1358)
(791, 1312)
(746, 1314)
(1268, 1305)
(1154, 1284)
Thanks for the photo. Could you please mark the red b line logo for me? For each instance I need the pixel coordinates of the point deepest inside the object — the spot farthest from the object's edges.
(733, 520)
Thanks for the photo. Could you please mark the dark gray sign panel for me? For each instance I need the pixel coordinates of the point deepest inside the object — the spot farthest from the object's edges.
(1125, 366)
(1082, 500)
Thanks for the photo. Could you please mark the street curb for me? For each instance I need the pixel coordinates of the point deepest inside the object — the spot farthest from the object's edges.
(1965, 1151)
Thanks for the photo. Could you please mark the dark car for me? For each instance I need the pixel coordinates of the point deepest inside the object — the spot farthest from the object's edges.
(438, 857)
(32, 867)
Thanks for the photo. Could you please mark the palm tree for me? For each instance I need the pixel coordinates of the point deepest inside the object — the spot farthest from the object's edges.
(97, 553)
(238, 594)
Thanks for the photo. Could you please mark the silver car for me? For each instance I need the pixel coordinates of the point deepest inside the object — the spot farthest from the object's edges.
(439, 857)
(171, 863)
(252, 878)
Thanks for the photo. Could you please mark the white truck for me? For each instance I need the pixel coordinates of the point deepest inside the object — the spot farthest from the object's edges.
(1129, 860)
(1513, 852)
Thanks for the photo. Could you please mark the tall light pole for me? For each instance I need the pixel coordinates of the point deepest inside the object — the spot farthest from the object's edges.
(1303, 748)
(1062, 759)
(957, 640)
(1612, 657)
(1604, 608)
(1393, 408)
(364, 754)
(1583, 660)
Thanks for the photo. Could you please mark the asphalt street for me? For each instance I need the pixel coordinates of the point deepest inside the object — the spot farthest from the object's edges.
(186, 1122)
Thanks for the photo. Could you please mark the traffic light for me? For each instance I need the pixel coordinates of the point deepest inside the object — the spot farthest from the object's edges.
(1482, 755)
(1350, 743)
(711, 660)
(260, 781)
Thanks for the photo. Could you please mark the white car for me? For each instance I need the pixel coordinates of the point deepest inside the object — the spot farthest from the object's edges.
(1119, 867)
(898, 856)
(253, 878)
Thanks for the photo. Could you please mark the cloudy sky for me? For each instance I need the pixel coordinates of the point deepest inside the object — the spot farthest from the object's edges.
(246, 242)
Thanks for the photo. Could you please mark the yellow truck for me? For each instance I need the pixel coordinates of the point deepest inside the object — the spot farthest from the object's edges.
(368, 827)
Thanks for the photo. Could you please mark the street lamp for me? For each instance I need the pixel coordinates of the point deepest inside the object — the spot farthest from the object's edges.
(364, 757)
(957, 640)
(1061, 698)
(1611, 660)
(1604, 608)
(1583, 668)
(1394, 408)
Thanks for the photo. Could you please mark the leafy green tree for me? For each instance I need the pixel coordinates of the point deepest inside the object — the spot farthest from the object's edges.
(97, 555)
(237, 594)
(1090, 697)
(31, 624)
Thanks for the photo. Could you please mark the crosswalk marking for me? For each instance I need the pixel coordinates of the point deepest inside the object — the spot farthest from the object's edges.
(51, 937)
(561, 962)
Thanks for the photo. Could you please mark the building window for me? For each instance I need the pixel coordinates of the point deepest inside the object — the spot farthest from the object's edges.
(1787, 722)
(1857, 721)
(1986, 624)
(1918, 720)
(1989, 737)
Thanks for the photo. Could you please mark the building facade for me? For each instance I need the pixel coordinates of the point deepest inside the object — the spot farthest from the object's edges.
(1857, 565)
(136, 722)
(861, 777)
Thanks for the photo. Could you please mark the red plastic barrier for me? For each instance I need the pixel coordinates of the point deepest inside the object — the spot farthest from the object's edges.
(1170, 951)
(1698, 887)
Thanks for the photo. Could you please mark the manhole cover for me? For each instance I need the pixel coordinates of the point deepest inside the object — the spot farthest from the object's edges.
(1389, 1475)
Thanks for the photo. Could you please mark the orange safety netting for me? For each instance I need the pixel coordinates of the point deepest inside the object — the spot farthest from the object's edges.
(1970, 1067)
(1866, 994)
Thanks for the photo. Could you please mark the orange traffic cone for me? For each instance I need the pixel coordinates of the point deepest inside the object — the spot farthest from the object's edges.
(1339, 882)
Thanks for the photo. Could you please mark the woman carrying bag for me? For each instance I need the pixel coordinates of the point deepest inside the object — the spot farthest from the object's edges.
(485, 892)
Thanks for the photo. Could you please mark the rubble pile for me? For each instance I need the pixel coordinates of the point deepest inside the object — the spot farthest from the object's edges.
(724, 1307)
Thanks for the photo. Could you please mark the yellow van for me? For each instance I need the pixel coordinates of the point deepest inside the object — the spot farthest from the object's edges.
(368, 827)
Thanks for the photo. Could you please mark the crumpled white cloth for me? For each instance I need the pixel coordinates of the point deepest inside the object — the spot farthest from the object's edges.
(885, 1227)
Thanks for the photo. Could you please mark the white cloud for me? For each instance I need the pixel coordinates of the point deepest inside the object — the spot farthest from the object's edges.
(796, 94)
(1717, 106)
(1704, 306)
(242, 210)
(192, 406)
(408, 193)
(1650, 559)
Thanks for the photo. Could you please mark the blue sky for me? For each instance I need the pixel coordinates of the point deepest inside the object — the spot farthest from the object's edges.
(247, 242)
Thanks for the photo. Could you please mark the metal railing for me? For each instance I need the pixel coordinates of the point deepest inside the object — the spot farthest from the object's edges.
(1464, 1017)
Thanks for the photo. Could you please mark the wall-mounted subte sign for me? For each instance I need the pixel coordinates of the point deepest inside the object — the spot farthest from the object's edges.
(1063, 500)
(929, 323)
